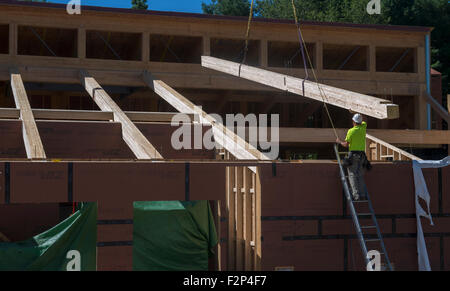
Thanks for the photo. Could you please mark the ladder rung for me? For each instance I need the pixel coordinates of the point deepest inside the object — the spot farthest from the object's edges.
(361, 201)
(364, 214)
(368, 227)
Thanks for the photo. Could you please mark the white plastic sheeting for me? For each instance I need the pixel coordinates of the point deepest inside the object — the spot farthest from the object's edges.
(422, 192)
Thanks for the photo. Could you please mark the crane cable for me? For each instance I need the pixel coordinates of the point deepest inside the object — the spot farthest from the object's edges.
(304, 52)
(303, 45)
(250, 17)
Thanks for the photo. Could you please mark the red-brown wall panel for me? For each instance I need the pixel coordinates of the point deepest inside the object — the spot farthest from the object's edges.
(120, 181)
(11, 141)
(83, 140)
(39, 182)
(160, 134)
(301, 189)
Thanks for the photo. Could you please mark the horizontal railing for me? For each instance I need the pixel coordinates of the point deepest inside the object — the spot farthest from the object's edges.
(90, 115)
(378, 150)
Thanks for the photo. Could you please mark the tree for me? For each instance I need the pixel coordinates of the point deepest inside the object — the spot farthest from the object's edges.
(434, 13)
(227, 7)
(319, 10)
(139, 4)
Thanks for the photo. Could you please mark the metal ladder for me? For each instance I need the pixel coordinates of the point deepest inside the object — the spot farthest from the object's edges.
(362, 237)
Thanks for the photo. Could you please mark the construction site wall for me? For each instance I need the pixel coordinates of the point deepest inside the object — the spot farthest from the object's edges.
(306, 224)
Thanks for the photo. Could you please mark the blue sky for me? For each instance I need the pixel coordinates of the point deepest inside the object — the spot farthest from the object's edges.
(162, 5)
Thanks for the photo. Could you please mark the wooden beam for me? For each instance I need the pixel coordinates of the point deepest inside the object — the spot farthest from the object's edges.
(248, 217)
(127, 73)
(206, 45)
(448, 102)
(263, 53)
(371, 106)
(412, 138)
(13, 39)
(390, 149)
(137, 142)
(145, 47)
(437, 107)
(81, 115)
(223, 136)
(319, 57)
(156, 116)
(231, 214)
(258, 213)
(81, 43)
(9, 113)
(239, 218)
(91, 115)
(392, 136)
(31, 137)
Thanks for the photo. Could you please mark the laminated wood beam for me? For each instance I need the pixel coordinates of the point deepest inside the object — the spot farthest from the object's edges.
(136, 141)
(237, 146)
(31, 137)
(367, 105)
(448, 102)
(392, 136)
(9, 113)
(91, 115)
(80, 115)
(155, 116)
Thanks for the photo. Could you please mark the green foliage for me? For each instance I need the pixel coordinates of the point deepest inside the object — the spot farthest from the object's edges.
(319, 10)
(434, 13)
(139, 4)
(227, 7)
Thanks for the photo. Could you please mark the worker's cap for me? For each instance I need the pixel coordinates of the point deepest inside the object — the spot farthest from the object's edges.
(357, 118)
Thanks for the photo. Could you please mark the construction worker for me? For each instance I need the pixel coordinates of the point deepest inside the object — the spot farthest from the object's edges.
(356, 161)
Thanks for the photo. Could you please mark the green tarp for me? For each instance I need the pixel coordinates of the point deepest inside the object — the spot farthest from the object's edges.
(70, 245)
(173, 236)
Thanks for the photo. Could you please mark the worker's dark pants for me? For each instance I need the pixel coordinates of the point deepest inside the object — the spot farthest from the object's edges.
(356, 176)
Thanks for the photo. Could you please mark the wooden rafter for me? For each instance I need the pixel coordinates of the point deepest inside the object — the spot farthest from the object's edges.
(31, 137)
(137, 142)
(371, 106)
(223, 136)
